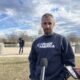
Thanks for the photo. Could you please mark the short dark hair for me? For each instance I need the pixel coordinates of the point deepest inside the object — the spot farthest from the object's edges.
(47, 15)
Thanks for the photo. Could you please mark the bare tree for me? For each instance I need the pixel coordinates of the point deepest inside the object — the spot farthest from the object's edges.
(73, 38)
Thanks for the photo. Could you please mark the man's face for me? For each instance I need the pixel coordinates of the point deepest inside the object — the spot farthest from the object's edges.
(47, 24)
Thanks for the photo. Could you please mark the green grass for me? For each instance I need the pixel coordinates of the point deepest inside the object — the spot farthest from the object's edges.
(17, 68)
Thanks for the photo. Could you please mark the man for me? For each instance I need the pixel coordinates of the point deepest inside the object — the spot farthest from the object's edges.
(21, 45)
(55, 48)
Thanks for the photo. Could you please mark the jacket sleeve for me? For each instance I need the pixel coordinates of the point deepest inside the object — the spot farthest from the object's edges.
(68, 57)
(32, 62)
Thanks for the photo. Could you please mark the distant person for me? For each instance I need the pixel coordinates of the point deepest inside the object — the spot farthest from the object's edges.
(21, 45)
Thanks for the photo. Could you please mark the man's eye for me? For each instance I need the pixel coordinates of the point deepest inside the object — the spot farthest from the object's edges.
(45, 23)
(49, 23)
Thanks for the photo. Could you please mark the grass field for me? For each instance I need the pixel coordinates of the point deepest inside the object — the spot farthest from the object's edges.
(17, 68)
(14, 68)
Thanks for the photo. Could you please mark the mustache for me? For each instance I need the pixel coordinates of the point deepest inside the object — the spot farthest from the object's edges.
(47, 29)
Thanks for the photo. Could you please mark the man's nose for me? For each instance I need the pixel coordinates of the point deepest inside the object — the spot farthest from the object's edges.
(47, 25)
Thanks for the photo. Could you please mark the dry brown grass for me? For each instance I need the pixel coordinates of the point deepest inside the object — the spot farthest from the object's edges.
(17, 68)
(14, 68)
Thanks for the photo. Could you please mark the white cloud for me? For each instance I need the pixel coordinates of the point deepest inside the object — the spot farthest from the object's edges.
(43, 6)
(21, 10)
(31, 32)
(10, 12)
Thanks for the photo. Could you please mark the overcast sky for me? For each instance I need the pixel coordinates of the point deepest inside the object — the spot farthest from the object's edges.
(24, 15)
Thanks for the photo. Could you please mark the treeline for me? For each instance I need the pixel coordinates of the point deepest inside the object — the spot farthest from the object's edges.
(12, 38)
(73, 38)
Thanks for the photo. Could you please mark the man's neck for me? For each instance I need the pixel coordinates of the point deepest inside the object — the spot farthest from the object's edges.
(48, 34)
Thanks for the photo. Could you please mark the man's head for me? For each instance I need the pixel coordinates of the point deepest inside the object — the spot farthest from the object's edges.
(47, 23)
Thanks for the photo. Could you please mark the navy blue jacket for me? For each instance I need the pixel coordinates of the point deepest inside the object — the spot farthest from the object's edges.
(59, 53)
(21, 43)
